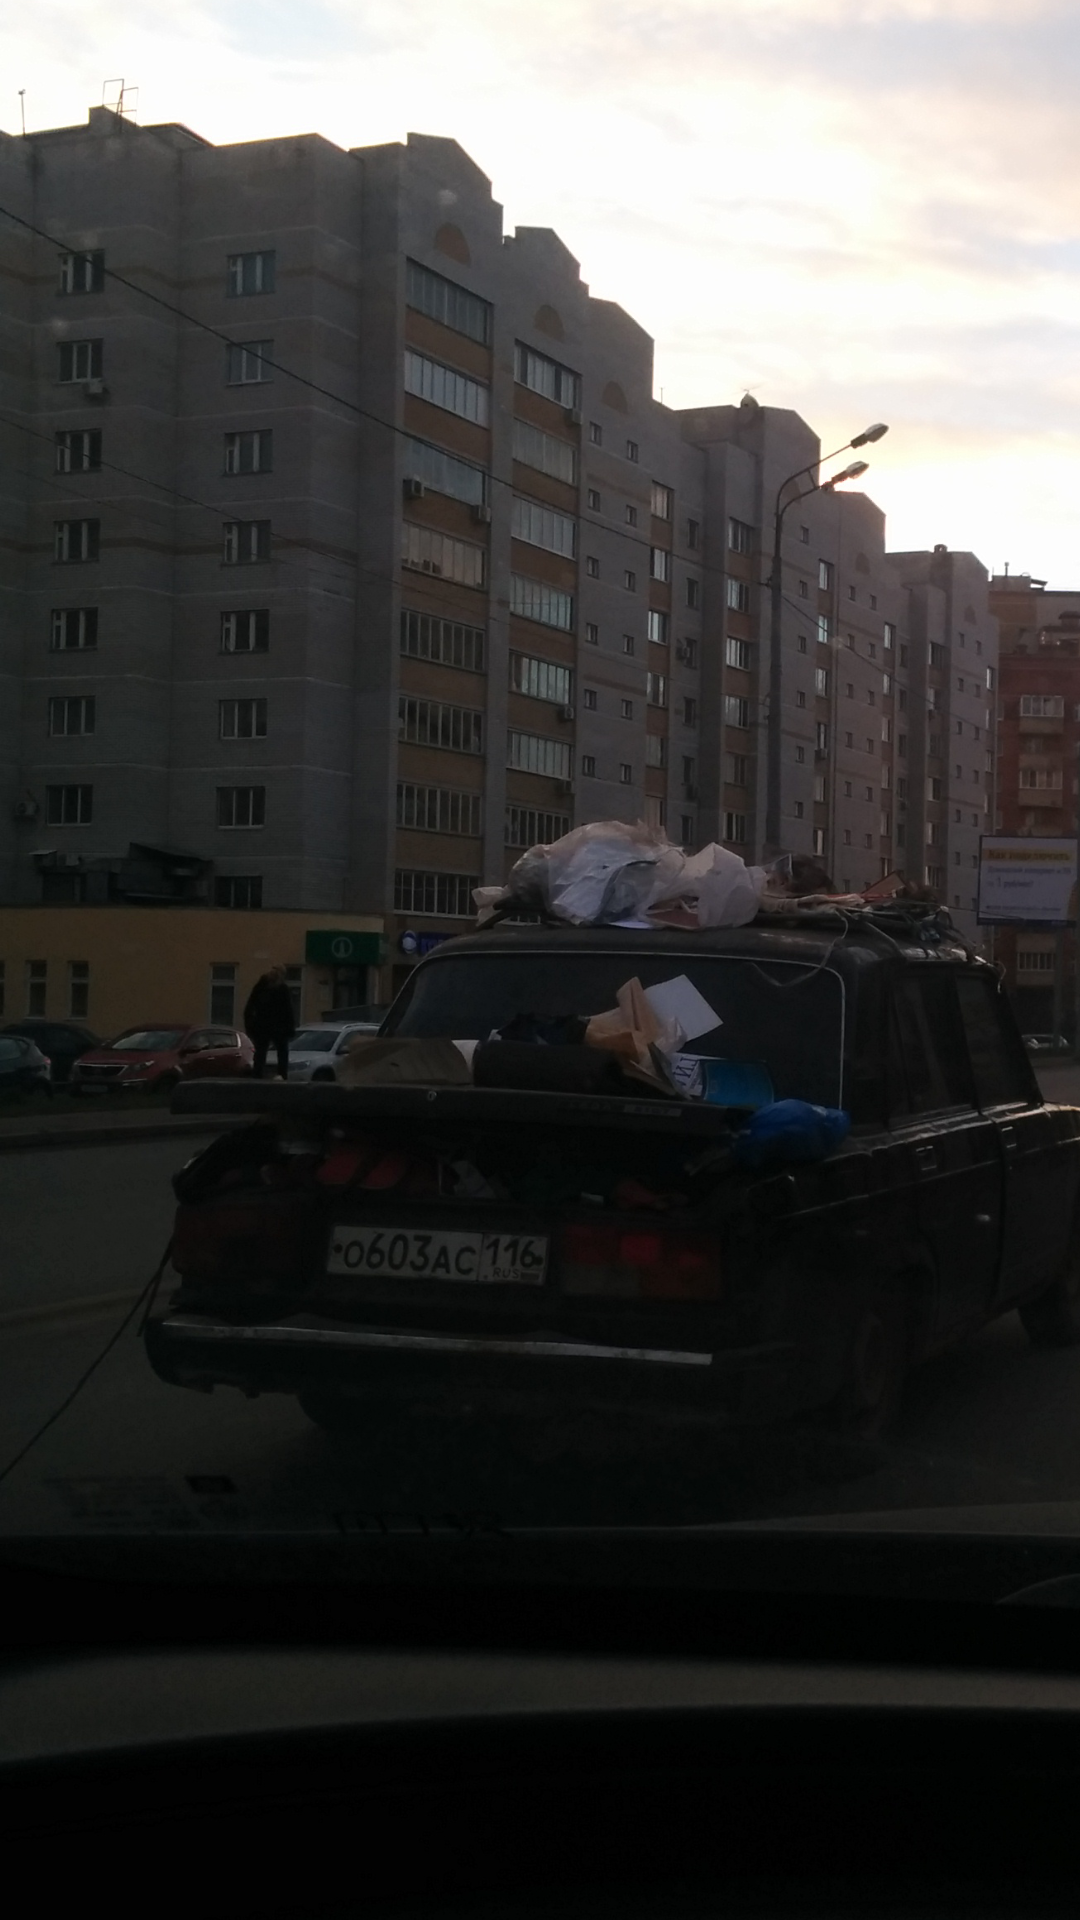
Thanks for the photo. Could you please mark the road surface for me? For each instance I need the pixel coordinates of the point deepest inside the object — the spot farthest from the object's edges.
(994, 1421)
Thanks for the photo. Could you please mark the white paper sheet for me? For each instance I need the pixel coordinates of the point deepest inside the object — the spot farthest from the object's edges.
(678, 999)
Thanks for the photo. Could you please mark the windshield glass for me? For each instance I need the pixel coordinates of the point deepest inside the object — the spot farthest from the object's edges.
(314, 1040)
(149, 1040)
(787, 1018)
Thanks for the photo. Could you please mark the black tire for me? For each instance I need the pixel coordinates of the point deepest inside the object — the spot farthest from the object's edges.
(877, 1364)
(1053, 1318)
(164, 1083)
(324, 1074)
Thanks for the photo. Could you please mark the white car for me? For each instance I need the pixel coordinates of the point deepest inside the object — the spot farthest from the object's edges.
(315, 1051)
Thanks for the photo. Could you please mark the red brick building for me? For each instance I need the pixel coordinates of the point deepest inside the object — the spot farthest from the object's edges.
(1038, 709)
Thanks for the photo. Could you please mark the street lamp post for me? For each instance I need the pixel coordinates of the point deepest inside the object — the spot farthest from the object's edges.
(774, 730)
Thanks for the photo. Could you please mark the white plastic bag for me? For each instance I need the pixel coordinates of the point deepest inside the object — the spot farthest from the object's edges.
(728, 892)
(610, 872)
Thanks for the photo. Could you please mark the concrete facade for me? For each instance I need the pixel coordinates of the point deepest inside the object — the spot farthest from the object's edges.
(486, 585)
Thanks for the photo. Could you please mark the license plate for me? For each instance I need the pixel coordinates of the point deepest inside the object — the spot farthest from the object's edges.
(500, 1259)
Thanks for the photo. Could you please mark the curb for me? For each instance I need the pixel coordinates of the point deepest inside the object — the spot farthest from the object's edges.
(106, 1136)
(15, 1317)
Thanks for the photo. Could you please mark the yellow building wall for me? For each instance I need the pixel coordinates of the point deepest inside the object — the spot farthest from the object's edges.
(154, 963)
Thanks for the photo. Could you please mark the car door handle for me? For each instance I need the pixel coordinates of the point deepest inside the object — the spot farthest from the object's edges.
(926, 1159)
(1008, 1139)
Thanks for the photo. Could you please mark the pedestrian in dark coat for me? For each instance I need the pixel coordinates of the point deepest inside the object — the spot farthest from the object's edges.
(269, 1020)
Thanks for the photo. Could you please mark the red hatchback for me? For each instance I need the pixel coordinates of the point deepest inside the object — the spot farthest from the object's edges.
(158, 1054)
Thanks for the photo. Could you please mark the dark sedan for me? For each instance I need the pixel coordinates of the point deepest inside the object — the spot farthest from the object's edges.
(62, 1041)
(23, 1066)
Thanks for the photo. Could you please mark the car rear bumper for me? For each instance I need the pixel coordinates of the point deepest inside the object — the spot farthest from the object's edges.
(298, 1353)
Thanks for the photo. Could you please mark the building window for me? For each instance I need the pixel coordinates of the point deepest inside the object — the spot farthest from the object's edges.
(470, 399)
(626, 773)
(549, 377)
(439, 809)
(540, 679)
(802, 643)
(530, 827)
(241, 806)
(72, 714)
(798, 809)
(851, 593)
(740, 536)
(825, 575)
(736, 766)
(655, 750)
(686, 828)
(592, 566)
(822, 736)
(247, 631)
(849, 689)
(800, 698)
(630, 515)
(1034, 960)
(629, 580)
(626, 709)
(800, 756)
(79, 360)
(432, 723)
(656, 689)
(245, 542)
(223, 993)
(535, 753)
(448, 643)
(535, 600)
(73, 629)
(804, 536)
(76, 540)
(689, 713)
(543, 527)
(437, 895)
(69, 806)
(588, 699)
(596, 434)
(37, 977)
(250, 273)
(1035, 776)
(820, 793)
(737, 595)
(241, 719)
(628, 643)
(247, 363)
(686, 651)
(936, 654)
(1042, 706)
(736, 710)
(588, 765)
(632, 451)
(821, 681)
(592, 633)
(657, 627)
(443, 300)
(442, 472)
(250, 452)
(660, 563)
(593, 499)
(661, 501)
(78, 989)
(873, 603)
(426, 551)
(804, 591)
(847, 836)
(78, 452)
(739, 653)
(735, 828)
(693, 592)
(888, 634)
(81, 272)
(238, 890)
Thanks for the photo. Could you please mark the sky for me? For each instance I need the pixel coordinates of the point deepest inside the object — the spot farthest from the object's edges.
(861, 209)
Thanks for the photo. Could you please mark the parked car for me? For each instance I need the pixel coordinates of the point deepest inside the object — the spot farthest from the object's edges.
(314, 1052)
(158, 1055)
(23, 1066)
(64, 1041)
(513, 1233)
(1046, 1043)
(367, 1019)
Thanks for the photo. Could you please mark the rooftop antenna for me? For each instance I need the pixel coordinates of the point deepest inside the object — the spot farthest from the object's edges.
(22, 109)
(124, 102)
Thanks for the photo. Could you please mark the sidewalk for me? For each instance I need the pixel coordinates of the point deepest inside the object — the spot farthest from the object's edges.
(37, 1128)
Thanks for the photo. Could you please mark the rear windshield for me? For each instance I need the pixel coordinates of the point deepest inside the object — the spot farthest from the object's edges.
(782, 1015)
(149, 1040)
(313, 1040)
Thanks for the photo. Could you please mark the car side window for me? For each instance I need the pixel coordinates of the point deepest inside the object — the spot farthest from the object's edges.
(218, 1037)
(928, 1065)
(999, 1067)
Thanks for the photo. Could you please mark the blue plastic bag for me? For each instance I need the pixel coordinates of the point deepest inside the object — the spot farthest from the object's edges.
(791, 1130)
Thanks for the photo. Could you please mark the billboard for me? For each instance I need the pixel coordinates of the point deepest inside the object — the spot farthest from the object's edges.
(1027, 881)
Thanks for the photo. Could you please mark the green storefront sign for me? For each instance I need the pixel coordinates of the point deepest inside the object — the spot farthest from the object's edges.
(327, 947)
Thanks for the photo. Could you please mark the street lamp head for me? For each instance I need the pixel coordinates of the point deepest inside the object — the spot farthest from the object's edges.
(876, 432)
(853, 472)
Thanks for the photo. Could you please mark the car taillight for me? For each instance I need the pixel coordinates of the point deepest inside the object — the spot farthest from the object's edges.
(649, 1264)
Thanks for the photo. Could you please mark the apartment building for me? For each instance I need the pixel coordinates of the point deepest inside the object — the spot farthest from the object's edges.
(346, 552)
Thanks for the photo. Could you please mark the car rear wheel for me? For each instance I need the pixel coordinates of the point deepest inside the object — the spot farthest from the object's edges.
(324, 1073)
(1053, 1318)
(870, 1397)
